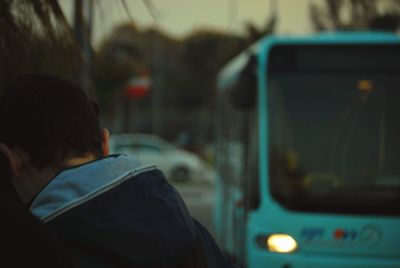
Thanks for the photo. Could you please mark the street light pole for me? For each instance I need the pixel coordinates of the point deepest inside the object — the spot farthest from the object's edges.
(83, 17)
(158, 86)
(273, 8)
(232, 14)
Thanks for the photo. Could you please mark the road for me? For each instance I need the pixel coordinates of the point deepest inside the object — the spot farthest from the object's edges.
(199, 198)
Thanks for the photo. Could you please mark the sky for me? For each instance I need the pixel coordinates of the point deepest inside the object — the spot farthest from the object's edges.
(179, 18)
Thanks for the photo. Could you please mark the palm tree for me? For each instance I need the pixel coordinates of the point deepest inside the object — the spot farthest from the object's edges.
(356, 15)
(35, 38)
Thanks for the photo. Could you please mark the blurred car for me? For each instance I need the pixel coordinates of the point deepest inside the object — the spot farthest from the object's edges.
(178, 165)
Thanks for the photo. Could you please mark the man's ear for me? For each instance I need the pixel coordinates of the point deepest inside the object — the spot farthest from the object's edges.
(13, 158)
(105, 141)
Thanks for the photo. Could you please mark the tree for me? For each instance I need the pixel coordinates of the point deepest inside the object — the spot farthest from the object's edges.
(254, 34)
(128, 52)
(356, 15)
(116, 61)
(183, 73)
(203, 54)
(36, 38)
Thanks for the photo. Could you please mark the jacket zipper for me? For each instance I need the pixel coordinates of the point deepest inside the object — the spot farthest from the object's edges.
(101, 189)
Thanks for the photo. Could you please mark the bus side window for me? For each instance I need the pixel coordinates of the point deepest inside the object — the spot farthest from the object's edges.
(243, 92)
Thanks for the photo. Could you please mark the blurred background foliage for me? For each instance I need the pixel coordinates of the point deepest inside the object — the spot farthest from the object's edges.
(355, 14)
(36, 38)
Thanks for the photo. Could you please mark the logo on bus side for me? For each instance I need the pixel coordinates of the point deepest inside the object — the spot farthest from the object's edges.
(371, 234)
(345, 234)
(309, 234)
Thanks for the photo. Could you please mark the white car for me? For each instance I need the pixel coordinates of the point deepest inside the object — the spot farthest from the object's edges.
(178, 165)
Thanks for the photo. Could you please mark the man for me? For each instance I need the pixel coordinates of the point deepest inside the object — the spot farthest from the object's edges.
(26, 241)
(106, 210)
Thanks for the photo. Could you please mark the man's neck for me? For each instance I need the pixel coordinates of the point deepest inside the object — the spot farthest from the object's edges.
(76, 161)
(32, 181)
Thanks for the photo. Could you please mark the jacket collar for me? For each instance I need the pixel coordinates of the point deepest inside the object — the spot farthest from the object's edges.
(74, 183)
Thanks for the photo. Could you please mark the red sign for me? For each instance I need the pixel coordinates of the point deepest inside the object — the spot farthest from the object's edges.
(138, 88)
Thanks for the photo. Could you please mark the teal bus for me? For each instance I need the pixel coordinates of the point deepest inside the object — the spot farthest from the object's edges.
(308, 152)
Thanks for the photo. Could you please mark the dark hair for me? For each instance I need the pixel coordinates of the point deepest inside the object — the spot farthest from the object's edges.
(50, 119)
(6, 185)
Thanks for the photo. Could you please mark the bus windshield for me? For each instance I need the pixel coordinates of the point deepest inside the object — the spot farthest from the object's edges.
(334, 140)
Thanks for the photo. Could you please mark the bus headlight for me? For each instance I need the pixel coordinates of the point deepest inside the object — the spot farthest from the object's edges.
(281, 243)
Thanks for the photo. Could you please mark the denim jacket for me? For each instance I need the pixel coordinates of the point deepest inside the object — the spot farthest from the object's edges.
(113, 213)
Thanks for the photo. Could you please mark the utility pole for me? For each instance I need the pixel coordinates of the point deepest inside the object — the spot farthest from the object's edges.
(157, 74)
(232, 14)
(273, 9)
(83, 17)
(158, 89)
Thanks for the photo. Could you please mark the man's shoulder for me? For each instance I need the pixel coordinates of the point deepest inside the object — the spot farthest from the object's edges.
(138, 219)
(74, 186)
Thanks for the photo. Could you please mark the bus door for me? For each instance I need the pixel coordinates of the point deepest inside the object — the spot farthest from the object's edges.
(230, 166)
(246, 199)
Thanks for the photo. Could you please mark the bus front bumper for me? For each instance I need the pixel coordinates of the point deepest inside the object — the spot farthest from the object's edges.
(297, 260)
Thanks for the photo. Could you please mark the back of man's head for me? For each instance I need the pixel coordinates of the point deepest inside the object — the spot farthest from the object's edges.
(50, 119)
